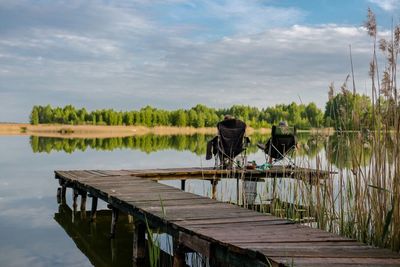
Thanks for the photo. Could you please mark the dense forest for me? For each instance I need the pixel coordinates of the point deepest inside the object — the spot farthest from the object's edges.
(303, 116)
(344, 110)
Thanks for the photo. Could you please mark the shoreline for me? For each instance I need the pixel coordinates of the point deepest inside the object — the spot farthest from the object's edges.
(106, 131)
(103, 131)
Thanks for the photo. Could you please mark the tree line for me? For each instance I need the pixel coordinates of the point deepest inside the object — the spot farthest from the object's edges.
(303, 116)
(344, 110)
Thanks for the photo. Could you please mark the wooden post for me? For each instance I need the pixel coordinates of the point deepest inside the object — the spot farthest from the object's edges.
(179, 254)
(114, 219)
(94, 209)
(74, 198)
(83, 205)
(139, 242)
(59, 195)
(214, 184)
(183, 183)
(63, 192)
(237, 191)
(83, 201)
(74, 205)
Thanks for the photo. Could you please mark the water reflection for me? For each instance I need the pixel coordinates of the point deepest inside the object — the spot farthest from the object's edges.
(339, 148)
(149, 143)
(345, 204)
(93, 239)
(145, 143)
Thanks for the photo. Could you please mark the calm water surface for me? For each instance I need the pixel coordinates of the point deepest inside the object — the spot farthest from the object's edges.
(29, 234)
(36, 231)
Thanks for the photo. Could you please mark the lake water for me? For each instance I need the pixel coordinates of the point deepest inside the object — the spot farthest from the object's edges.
(36, 231)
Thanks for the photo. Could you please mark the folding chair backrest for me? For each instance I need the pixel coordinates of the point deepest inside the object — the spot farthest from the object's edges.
(231, 134)
(283, 140)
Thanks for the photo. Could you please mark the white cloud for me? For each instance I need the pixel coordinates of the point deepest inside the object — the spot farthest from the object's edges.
(387, 5)
(275, 66)
(250, 17)
(125, 56)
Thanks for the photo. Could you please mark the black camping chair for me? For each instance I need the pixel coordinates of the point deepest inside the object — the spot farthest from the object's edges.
(281, 145)
(228, 144)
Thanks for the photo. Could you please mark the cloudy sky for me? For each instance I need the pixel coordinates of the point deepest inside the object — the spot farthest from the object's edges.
(176, 53)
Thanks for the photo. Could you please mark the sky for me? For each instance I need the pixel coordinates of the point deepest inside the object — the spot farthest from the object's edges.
(177, 53)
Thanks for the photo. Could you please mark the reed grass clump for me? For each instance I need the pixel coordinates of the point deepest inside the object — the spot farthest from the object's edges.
(362, 200)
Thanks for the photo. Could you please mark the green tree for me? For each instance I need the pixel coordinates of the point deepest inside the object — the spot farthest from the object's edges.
(180, 118)
(348, 111)
(34, 118)
(314, 115)
(198, 116)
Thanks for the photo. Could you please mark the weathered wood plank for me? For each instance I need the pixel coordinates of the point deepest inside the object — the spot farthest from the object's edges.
(207, 173)
(201, 223)
(336, 261)
(246, 219)
(327, 251)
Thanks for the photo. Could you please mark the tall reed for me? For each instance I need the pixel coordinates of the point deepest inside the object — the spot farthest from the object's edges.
(363, 200)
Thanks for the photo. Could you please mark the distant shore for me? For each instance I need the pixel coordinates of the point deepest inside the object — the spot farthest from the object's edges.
(104, 131)
(100, 131)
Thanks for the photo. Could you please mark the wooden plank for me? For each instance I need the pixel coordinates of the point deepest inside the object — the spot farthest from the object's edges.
(216, 221)
(200, 222)
(145, 198)
(327, 251)
(336, 261)
(248, 226)
(172, 202)
(194, 207)
(293, 244)
(194, 242)
(207, 172)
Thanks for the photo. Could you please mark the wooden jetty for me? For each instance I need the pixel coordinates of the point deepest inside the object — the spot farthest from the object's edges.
(226, 234)
(275, 171)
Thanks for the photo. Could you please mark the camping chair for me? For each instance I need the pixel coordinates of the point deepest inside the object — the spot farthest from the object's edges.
(228, 144)
(281, 145)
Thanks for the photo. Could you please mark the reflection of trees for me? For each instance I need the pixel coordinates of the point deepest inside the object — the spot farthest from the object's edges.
(308, 145)
(146, 143)
(151, 143)
(313, 145)
(345, 150)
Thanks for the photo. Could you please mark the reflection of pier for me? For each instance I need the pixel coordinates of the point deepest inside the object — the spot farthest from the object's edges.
(92, 238)
(225, 234)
